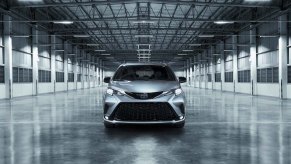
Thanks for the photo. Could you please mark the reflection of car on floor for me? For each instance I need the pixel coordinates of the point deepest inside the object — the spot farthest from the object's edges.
(144, 94)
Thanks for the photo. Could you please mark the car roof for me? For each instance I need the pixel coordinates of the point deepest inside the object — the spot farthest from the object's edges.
(132, 64)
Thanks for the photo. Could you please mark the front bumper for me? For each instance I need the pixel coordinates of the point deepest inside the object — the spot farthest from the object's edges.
(177, 103)
(144, 122)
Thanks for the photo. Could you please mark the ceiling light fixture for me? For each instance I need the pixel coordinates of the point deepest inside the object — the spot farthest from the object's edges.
(268, 36)
(216, 54)
(143, 36)
(143, 22)
(105, 54)
(182, 54)
(81, 36)
(71, 54)
(194, 44)
(92, 44)
(227, 50)
(59, 50)
(205, 36)
(63, 22)
(21, 36)
(187, 50)
(100, 50)
(221, 22)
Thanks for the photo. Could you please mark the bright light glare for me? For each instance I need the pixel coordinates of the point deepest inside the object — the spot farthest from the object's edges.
(223, 22)
(143, 22)
(143, 36)
(63, 22)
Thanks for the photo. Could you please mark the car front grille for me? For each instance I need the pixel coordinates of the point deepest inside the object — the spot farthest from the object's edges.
(143, 96)
(150, 111)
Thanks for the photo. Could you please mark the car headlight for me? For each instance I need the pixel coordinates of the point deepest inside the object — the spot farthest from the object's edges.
(177, 92)
(113, 91)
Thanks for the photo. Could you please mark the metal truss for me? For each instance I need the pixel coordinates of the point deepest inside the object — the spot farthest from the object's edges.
(172, 24)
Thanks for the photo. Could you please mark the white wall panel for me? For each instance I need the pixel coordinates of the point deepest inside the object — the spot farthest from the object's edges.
(71, 86)
(243, 88)
(289, 91)
(217, 86)
(267, 89)
(228, 87)
(2, 91)
(22, 89)
(61, 87)
(45, 88)
(21, 59)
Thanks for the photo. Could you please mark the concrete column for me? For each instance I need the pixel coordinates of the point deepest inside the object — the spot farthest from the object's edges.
(205, 71)
(191, 72)
(97, 72)
(253, 59)
(7, 29)
(100, 73)
(199, 70)
(66, 44)
(222, 64)
(83, 70)
(35, 60)
(53, 61)
(213, 66)
(234, 60)
(283, 55)
(75, 66)
(188, 72)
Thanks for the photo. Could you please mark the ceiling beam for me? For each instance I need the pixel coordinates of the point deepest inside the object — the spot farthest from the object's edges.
(106, 2)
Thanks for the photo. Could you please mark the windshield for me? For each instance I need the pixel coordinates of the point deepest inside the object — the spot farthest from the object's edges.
(144, 72)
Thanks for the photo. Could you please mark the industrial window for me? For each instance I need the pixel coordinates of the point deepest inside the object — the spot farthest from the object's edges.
(289, 74)
(228, 77)
(60, 77)
(22, 75)
(44, 76)
(244, 76)
(70, 77)
(79, 77)
(217, 77)
(2, 77)
(268, 75)
(209, 77)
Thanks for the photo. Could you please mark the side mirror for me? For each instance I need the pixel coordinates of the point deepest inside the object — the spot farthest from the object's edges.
(182, 79)
(107, 79)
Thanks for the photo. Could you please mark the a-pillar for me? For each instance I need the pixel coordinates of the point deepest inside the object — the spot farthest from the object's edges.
(7, 29)
(53, 62)
(222, 64)
(253, 59)
(35, 60)
(283, 52)
(66, 44)
(234, 59)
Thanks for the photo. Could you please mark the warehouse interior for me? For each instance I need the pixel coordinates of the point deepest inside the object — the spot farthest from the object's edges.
(235, 54)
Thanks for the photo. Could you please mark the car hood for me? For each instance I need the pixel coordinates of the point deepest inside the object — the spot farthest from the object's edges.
(144, 86)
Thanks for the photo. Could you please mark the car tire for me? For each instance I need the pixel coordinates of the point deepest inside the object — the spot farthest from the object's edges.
(108, 125)
(179, 125)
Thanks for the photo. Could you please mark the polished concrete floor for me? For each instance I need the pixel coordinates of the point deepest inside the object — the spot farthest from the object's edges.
(221, 127)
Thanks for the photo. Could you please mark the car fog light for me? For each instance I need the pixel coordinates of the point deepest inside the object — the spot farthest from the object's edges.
(181, 117)
(106, 117)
